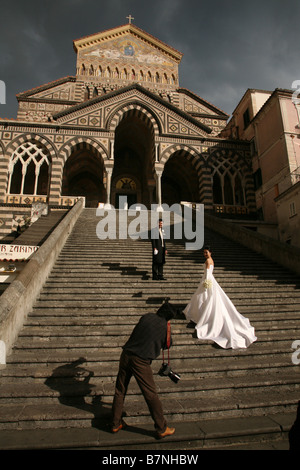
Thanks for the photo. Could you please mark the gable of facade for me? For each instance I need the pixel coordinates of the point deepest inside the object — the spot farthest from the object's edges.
(38, 104)
(105, 113)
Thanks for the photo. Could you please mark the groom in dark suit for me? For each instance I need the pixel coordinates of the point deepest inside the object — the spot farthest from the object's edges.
(159, 252)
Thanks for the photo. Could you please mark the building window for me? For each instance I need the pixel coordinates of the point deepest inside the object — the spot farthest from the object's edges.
(86, 94)
(257, 179)
(246, 117)
(29, 170)
(228, 185)
(292, 209)
(238, 191)
(217, 189)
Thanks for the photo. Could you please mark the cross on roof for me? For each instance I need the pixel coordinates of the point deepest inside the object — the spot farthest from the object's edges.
(130, 18)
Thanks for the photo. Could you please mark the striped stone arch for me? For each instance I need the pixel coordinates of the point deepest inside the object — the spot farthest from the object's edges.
(197, 161)
(1, 149)
(233, 157)
(84, 143)
(64, 154)
(133, 109)
(190, 152)
(29, 137)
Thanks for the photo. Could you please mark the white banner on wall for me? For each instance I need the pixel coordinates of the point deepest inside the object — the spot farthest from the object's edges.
(16, 252)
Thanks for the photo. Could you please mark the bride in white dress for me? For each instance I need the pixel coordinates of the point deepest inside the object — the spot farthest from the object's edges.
(214, 315)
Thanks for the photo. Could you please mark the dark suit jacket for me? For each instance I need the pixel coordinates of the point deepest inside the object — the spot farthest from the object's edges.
(149, 337)
(157, 243)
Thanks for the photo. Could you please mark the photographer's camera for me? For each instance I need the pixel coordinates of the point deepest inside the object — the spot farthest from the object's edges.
(166, 371)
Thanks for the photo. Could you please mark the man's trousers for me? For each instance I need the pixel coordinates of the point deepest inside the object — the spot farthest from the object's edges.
(132, 365)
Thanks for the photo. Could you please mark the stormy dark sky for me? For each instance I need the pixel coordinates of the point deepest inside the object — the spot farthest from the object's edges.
(228, 46)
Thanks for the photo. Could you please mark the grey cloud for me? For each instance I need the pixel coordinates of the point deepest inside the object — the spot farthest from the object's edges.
(227, 46)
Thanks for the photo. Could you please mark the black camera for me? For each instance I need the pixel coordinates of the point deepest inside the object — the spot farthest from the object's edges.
(166, 371)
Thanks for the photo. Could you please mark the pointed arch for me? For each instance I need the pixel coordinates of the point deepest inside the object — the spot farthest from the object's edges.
(235, 178)
(115, 117)
(29, 169)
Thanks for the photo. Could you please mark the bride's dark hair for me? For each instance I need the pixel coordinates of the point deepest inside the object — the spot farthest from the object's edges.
(207, 247)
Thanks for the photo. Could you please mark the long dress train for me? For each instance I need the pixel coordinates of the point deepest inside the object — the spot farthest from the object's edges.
(216, 317)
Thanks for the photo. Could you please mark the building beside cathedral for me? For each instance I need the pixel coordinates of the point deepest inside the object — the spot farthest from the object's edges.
(123, 126)
(270, 121)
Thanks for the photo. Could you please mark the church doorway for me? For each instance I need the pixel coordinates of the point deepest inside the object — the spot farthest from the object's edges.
(83, 176)
(126, 193)
(179, 180)
(133, 160)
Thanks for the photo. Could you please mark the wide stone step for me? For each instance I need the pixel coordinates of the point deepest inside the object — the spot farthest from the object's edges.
(185, 353)
(274, 368)
(113, 310)
(181, 294)
(139, 303)
(80, 414)
(186, 283)
(50, 325)
(55, 388)
(254, 433)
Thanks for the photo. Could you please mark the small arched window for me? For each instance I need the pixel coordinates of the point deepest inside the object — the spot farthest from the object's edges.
(86, 94)
(29, 170)
(217, 189)
(239, 191)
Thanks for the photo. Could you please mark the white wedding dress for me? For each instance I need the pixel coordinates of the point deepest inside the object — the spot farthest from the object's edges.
(216, 317)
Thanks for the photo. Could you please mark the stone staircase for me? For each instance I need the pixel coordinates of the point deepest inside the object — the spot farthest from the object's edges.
(58, 385)
(40, 230)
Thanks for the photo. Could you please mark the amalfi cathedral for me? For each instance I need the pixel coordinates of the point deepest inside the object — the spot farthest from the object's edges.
(123, 126)
(83, 313)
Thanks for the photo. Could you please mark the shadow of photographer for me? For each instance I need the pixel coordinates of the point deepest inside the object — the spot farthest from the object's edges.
(72, 382)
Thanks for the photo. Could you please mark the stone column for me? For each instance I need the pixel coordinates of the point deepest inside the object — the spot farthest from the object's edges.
(156, 153)
(108, 184)
(158, 189)
(112, 149)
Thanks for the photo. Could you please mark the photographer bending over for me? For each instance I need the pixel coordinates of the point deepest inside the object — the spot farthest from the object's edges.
(145, 343)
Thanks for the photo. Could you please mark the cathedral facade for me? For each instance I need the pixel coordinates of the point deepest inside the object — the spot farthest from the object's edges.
(122, 126)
